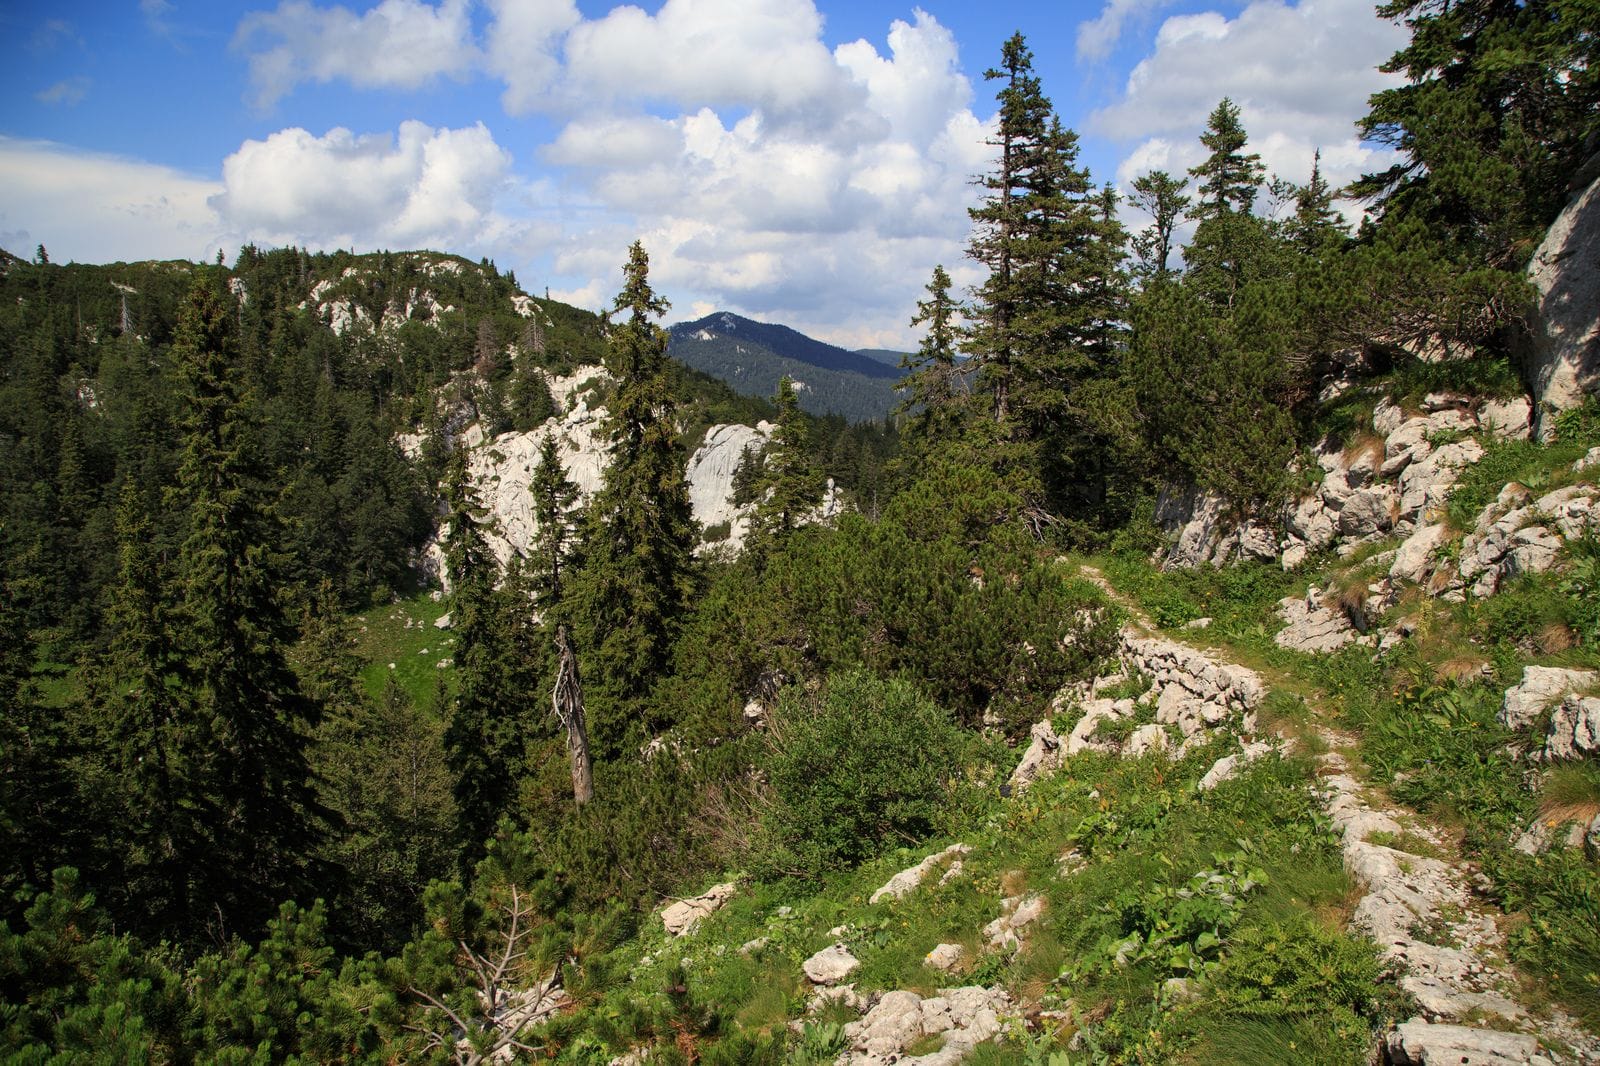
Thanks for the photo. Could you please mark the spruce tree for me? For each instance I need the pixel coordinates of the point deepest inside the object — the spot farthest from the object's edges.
(1229, 241)
(935, 383)
(1229, 179)
(641, 532)
(790, 486)
(1315, 221)
(483, 742)
(244, 717)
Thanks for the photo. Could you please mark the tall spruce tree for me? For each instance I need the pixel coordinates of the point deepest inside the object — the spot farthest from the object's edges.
(483, 742)
(641, 532)
(1229, 241)
(245, 718)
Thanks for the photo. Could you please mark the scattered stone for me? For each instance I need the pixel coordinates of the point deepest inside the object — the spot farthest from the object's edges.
(1507, 419)
(750, 947)
(1198, 623)
(1589, 461)
(1229, 766)
(946, 957)
(1147, 738)
(905, 882)
(1016, 914)
(444, 664)
(443, 621)
(1414, 561)
(830, 965)
(681, 918)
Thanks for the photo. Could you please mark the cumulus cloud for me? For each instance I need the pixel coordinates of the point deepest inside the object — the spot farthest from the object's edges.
(93, 207)
(1301, 76)
(398, 44)
(425, 188)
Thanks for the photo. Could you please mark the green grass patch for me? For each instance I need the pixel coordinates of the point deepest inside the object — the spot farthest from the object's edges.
(403, 633)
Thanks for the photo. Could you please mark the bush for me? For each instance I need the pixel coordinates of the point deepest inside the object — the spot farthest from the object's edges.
(860, 764)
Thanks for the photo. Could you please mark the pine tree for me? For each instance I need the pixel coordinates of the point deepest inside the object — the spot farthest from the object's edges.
(641, 532)
(790, 485)
(244, 717)
(1160, 195)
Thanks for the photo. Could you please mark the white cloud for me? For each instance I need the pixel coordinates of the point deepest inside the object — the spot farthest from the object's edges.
(521, 45)
(427, 188)
(93, 207)
(1099, 35)
(399, 43)
(1301, 76)
(68, 93)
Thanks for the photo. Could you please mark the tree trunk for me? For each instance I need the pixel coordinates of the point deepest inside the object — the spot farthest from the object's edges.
(567, 699)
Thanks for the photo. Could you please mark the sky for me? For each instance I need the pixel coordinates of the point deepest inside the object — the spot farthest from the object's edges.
(807, 162)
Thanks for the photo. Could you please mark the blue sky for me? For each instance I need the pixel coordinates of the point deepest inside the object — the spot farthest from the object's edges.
(797, 161)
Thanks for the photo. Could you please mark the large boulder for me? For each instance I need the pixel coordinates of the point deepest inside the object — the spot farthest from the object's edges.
(1563, 361)
(1540, 687)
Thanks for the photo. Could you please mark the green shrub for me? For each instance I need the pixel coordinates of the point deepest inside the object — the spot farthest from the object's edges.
(854, 767)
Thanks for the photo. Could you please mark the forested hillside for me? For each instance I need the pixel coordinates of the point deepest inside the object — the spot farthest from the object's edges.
(1203, 665)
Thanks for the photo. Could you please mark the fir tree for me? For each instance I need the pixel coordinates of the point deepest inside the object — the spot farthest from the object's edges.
(1229, 239)
(1228, 178)
(1314, 221)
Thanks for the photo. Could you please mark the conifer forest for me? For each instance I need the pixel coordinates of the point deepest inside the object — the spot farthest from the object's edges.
(1200, 665)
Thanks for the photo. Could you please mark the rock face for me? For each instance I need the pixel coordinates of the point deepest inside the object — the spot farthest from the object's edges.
(1574, 728)
(502, 469)
(1312, 626)
(681, 918)
(1564, 361)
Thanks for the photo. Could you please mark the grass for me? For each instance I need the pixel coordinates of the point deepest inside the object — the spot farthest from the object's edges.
(403, 633)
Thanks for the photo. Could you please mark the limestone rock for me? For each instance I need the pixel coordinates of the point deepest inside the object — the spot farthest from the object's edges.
(1368, 511)
(830, 965)
(1414, 561)
(1540, 687)
(1146, 738)
(1507, 419)
(1420, 1043)
(681, 918)
(946, 957)
(1312, 627)
(443, 621)
(1042, 758)
(964, 1017)
(1588, 461)
(1574, 728)
(1564, 362)
(1016, 914)
(906, 881)
(710, 475)
(1573, 510)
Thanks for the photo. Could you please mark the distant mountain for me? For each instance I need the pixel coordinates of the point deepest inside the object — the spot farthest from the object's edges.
(753, 357)
(887, 356)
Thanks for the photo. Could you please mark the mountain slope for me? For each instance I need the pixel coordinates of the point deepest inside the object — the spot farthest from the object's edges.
(753, 357)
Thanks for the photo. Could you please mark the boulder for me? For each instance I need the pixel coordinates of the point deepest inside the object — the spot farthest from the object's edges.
(1311, 627)
(830, 965)
(1507, 419)
(1042, 758)
(1590, 460)
(1228, 766)
(1414, 560)
(946, 957)
(1368, 511)
(681, 918)
(1563, 362)
(1573, 510)
(1421, 1043)
(1540, 687)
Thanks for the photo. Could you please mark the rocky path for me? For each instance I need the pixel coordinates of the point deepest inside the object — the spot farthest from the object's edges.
(1421, 905)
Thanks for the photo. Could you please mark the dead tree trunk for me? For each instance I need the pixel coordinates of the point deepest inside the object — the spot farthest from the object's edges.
(567, 699)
